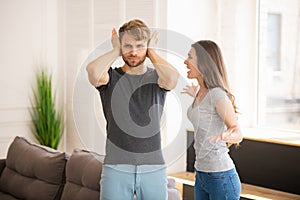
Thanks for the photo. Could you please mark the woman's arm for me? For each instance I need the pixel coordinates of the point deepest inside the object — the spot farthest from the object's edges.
(233, 133)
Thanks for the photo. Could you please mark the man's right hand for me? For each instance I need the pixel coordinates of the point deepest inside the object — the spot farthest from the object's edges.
(115, 40)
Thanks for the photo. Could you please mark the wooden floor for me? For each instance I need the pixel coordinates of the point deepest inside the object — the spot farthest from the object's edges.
(248, 191)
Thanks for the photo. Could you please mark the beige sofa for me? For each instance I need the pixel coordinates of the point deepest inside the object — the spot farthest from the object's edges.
(35, 172)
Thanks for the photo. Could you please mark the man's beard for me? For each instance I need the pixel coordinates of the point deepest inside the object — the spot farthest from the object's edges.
(134, 65)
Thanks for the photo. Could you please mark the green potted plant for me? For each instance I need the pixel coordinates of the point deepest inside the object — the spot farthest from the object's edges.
(47, 121)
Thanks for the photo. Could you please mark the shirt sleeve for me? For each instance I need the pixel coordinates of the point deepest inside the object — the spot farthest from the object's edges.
(218, 94)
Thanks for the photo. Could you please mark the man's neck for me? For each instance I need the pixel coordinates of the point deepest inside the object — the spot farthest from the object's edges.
(141, 69)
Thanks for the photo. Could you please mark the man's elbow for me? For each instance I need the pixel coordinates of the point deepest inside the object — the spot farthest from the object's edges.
(92, 81)
(173, 81)
(90, 69)
(91, 75)
(170, 84)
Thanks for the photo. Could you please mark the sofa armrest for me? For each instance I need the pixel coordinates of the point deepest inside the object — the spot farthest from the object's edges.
(171, 183)
(173, 193)
(2, 165)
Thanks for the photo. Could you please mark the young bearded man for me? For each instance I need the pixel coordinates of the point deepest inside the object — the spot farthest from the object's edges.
(133, 98)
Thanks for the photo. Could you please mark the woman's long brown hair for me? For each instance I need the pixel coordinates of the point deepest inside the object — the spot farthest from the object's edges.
(212, 66)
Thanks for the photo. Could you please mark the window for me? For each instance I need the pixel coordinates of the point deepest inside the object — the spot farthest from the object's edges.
(273, 41)
(279, 64)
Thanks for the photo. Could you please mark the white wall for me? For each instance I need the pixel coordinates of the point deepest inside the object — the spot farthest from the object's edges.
(61, 35)
(28, 40)
(64, 35)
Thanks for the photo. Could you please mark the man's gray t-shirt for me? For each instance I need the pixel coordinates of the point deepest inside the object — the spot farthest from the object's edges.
(133, 106)
(210, 157)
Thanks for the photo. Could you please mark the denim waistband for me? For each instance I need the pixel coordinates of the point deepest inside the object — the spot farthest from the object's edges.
(136, 168)
(230, 171)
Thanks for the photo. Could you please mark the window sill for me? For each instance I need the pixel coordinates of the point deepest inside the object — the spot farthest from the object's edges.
(272, 136)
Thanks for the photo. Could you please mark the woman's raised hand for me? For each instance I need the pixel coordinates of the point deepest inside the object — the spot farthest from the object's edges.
(191, 90)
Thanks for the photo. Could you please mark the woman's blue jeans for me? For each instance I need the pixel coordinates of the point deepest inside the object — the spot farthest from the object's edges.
(217, 185)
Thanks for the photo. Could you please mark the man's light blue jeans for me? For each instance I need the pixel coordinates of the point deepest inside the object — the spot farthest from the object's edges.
(217, 185)
(121, 182)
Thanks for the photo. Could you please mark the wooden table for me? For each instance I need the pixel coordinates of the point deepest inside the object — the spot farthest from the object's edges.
(187, 181)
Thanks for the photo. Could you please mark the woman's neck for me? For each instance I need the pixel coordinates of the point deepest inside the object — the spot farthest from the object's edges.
(203, 90)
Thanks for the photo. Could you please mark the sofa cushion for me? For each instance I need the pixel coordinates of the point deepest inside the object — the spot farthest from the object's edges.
(83, 173)
(33, 171)
(4, 196)
(2, 165)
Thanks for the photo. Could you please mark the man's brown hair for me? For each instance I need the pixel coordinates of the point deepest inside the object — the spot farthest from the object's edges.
(137, 28)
